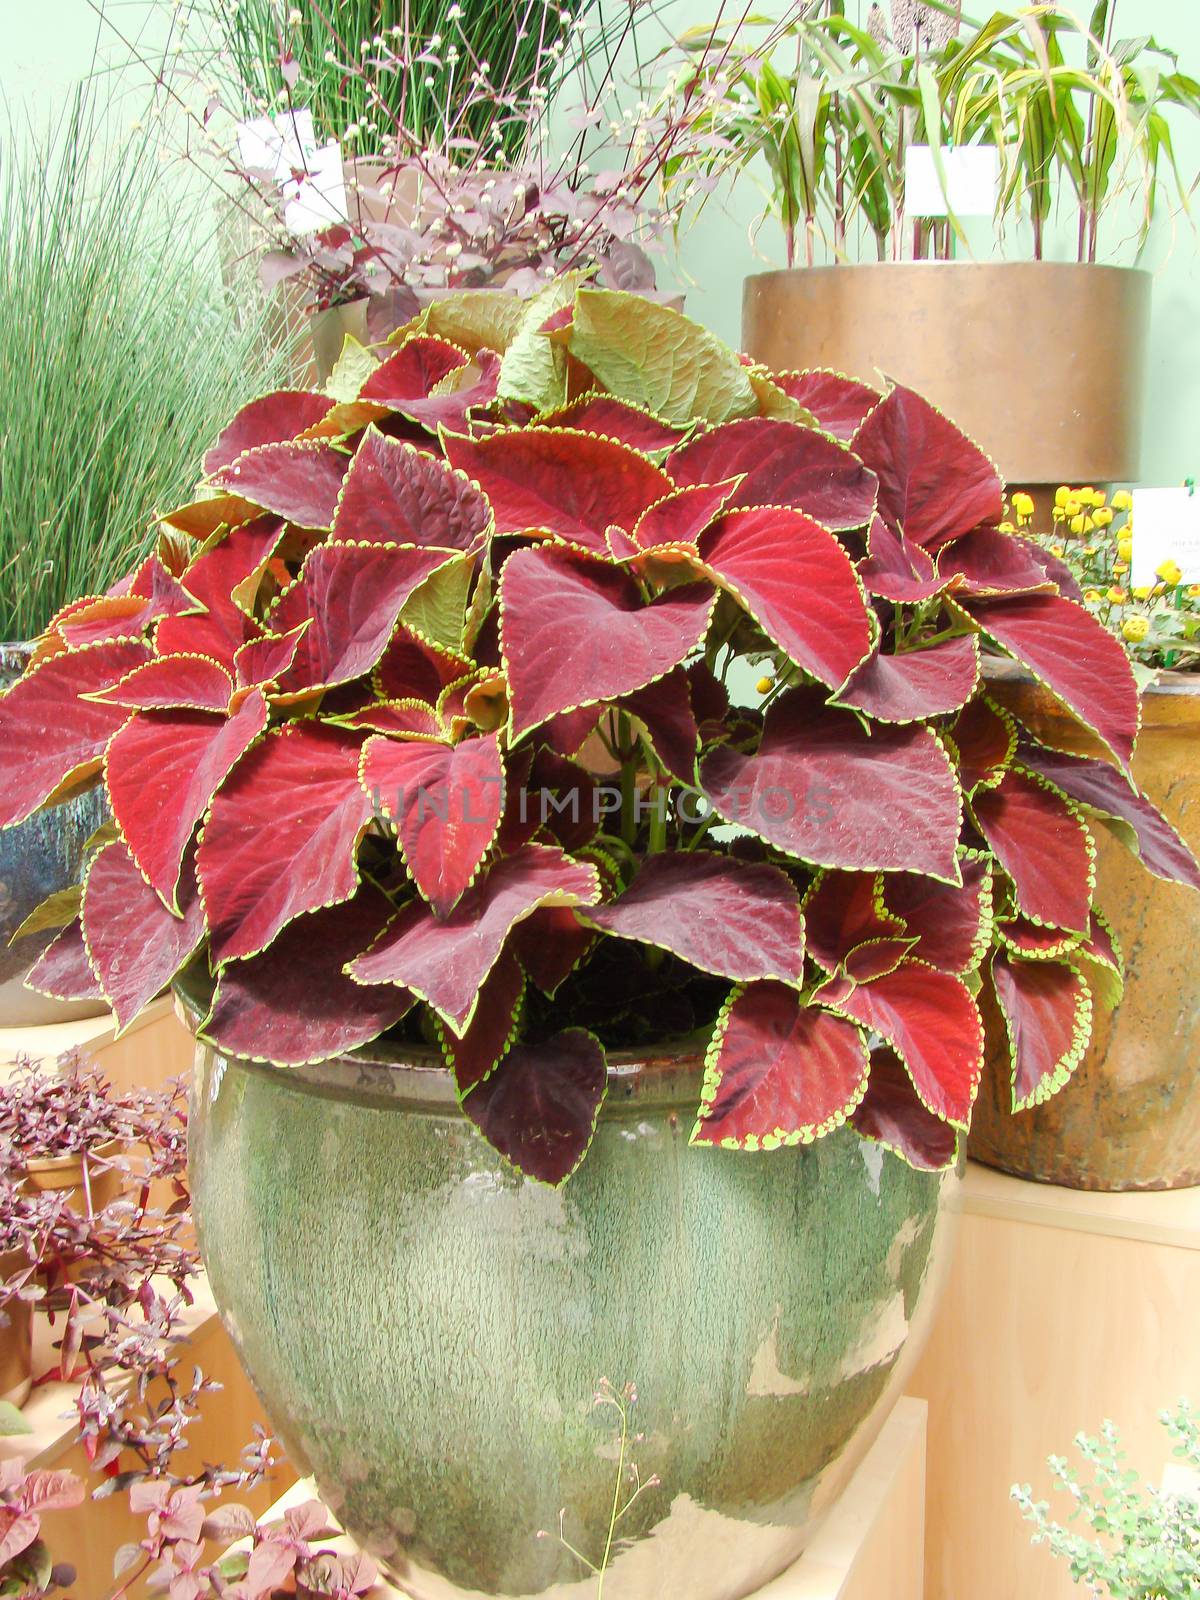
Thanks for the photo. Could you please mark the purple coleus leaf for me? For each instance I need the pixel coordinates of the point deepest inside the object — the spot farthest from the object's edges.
(539, 1108)
(983, 739)
(63, 971)
(135, 944)
(917, 685)
(575, 631)
(413, 372)
(952, 923)
(728, 917)
(615, 419)
(843, 911)
(896, 568)
(1044, 847)
(396, 494)
(493, 1028)
(891, 1114)
(987, 563)
(778, 1072)
(1047, 1012)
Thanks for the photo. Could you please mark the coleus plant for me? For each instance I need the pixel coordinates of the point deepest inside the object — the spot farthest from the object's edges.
(430, 720)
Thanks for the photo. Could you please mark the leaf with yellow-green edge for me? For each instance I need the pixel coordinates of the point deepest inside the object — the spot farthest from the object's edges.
(1047, 1012)
(540, 1107)
(533, 367)
(1098, 957)
(656, 358)
(493, 1030)
(437, 608)
(473, 319)
(62, 971)
(55, 911)
(350, 371)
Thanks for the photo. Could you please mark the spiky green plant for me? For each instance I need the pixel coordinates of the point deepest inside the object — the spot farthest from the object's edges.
(120, 355)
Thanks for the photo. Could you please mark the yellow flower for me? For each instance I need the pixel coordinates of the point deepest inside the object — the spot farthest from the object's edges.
(1193, 591)
(1125, 547)
(1057, 550)
(765, 685)
(1088, 497)
(1120, 568)
(1061, 495)
(1135, 629)
(1007, 527)
(1103, 517)
(1090, 549)
(1077, 523)
(1122, 500)
(1022, 504)
(1092, 596)
(1099, 496)
(1169, 572)
(1058, 514)
(1117, 595)
(1143, 591)
(1073, 507)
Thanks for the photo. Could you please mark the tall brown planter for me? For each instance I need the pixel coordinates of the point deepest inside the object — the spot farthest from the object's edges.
(1041, 362)
(1130, 1116)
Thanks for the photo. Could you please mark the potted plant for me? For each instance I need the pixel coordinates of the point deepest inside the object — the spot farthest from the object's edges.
(1080, 121)
(436, 969)
(1130, 1121)
(95, 278)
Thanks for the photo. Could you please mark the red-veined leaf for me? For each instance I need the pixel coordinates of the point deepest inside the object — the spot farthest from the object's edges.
(732, 918)
(136, 946)
(186, 683)
(50, 739)
(953, 925)
(897, 569)
(445, 962)
(162, 771)
(402, 719)
(891, 1114)
(823, 789)
(916, 685)
(154, 582)
(540, 1107)
(1047, 1011)
(1043, 846)
(798, 584)
(838, 403)
(456, 396)
(281, 837)
(493, 1028)
(109, 618)
(225, 580)
(63, 971)
(876, 958)
(984, 738)
(1034, 941)
(780, 464)
(271, 419)
(843, 910)
(615, 419)
(18, 1530)
(299, 481)
(778, 1072)
(293, 1004)
(397, 494)
(931, 1021)
(1055, 568)
(574, 631)
(934, 483)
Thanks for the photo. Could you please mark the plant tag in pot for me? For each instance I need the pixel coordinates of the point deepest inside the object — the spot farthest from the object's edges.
(972, 178)
(1166, 527)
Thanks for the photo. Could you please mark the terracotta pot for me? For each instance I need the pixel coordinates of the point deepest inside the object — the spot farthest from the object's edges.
(16, 1337)
(53, 1174)
(1130, 1116)
(427, 1330)
(37, 858)
(1041, 362)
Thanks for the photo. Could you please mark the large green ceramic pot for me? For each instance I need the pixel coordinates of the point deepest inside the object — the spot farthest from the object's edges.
(427, 1330)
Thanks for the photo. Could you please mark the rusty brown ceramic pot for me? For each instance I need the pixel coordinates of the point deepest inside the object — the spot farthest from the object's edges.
(1130, 1116)
(970, 336)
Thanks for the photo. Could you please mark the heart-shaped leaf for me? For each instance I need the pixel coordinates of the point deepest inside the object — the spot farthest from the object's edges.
(493, 1028)
(445, 962)
(823, 789)
(396, 494)
(300, 481)
(271, 419)
(224, 579)
(550, 945)
(293, 1004)
(953, 924)
(934, 483)
(63, 971)
(411, 669)
(838, 403)
(264, 661)
(455, 397)
(681, 517)
(574, 631)
(891, 1114)
(135, 945)
(797, 583)
(181, 683)
(778, 1072)
(110, 618)
(1047, 1011)
(445, 803)
(281, 837)
(1043, 846)
(162, 771)
(916, 685)
(540, 1107)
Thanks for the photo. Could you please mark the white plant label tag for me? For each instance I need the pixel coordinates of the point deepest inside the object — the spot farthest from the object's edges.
(972, 181)
(311, 176)
(1166, 527)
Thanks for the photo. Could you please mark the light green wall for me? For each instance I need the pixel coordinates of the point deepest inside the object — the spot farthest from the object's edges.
(47, 45)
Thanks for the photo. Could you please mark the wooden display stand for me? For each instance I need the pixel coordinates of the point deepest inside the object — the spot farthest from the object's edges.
(155, 1047)
(870, 1546)
(1062, 1309)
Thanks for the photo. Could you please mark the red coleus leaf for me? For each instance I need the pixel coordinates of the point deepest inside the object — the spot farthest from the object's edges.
(574, 631)
(550, 944)
(493, 1028)
(560, 482)
(162, 771)
(797, 582)
(1103, 790)
(191, 683)
(728, 917)
(397, 494)
(681, 517)
(109, 618)
(445, 802)
(931, 1021)
(224, 575)
(664, 708)
(778, 1072)
(411, 374)
(1047, 1011)
(838, 403)
(566, 734)
(410, 669)
(63, 971)
(934, 483)
(1032, 940)
(299, 481)
(272, 419)
(953, 925)
(780, 464)
(984, 738)
(842, 911)
(351, 596)
(823, 789)
(402, 719)
(616, 419)
(457, 395)
(541, 1105)
(987, 562)
(564, 798)
(916, 685)
(897, 569)
(1043, 846)
(891, 1114)
(293, 1004)
(1054, 567)
(281, 837)
(445, 962)
(52, 740)
(1078, 660)
(136, 946)
(876, 958)
(264, 661)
